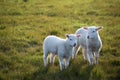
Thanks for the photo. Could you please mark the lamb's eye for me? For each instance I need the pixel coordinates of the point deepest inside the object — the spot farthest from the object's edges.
(71, 39)
(93, 31)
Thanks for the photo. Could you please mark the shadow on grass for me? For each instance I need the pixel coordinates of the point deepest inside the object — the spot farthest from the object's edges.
(81, 70)
(75, 71)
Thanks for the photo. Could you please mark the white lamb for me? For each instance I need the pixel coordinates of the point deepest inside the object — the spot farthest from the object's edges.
(90, 43)
(62, 47)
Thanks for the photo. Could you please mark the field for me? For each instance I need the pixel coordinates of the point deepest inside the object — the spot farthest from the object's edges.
(24, 24)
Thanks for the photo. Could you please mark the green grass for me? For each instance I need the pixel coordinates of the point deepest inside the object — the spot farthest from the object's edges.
(24, 24)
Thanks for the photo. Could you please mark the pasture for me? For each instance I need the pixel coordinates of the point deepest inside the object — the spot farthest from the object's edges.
(24, 24)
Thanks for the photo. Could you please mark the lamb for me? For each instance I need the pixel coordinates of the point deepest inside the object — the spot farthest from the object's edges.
(90, 43)
(63, 48)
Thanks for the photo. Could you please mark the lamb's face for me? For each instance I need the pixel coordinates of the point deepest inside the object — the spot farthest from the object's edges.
(93, 32)
(72, 39)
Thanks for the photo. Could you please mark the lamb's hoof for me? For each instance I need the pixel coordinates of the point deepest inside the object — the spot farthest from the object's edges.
(85, 60)
(91, 66)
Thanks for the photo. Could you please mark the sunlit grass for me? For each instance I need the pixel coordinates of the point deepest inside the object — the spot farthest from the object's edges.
(24, 24)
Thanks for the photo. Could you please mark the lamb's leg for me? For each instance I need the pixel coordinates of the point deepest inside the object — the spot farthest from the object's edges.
(96, 57)
(61, 62)
(84, 52)
(45, 58)
(52, 57)
(90, 57)
(67, 63)
(75, 51)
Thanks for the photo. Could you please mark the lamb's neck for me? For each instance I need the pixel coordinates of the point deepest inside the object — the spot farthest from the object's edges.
(67, 45)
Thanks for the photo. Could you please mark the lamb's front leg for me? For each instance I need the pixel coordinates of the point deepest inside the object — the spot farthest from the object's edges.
(75, 51)
(67, 63)
(61, 62)
(96, 57)
(84, 52)
(90, 57)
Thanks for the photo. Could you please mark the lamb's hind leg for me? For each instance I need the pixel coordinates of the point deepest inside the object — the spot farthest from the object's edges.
(52, 57)
(45, 58)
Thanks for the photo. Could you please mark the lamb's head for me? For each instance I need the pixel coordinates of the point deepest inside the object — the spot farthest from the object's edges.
(93, 32)
(72, 39)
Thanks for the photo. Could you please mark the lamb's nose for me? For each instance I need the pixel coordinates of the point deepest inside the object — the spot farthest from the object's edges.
(87, 37)
(74, 44)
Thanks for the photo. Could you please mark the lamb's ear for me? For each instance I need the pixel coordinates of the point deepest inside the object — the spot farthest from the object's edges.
(67, 35)
(99, 28)
(78, 35)
(86, 28)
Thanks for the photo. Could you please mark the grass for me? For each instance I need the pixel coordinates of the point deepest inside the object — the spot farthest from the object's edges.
(25, 23)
